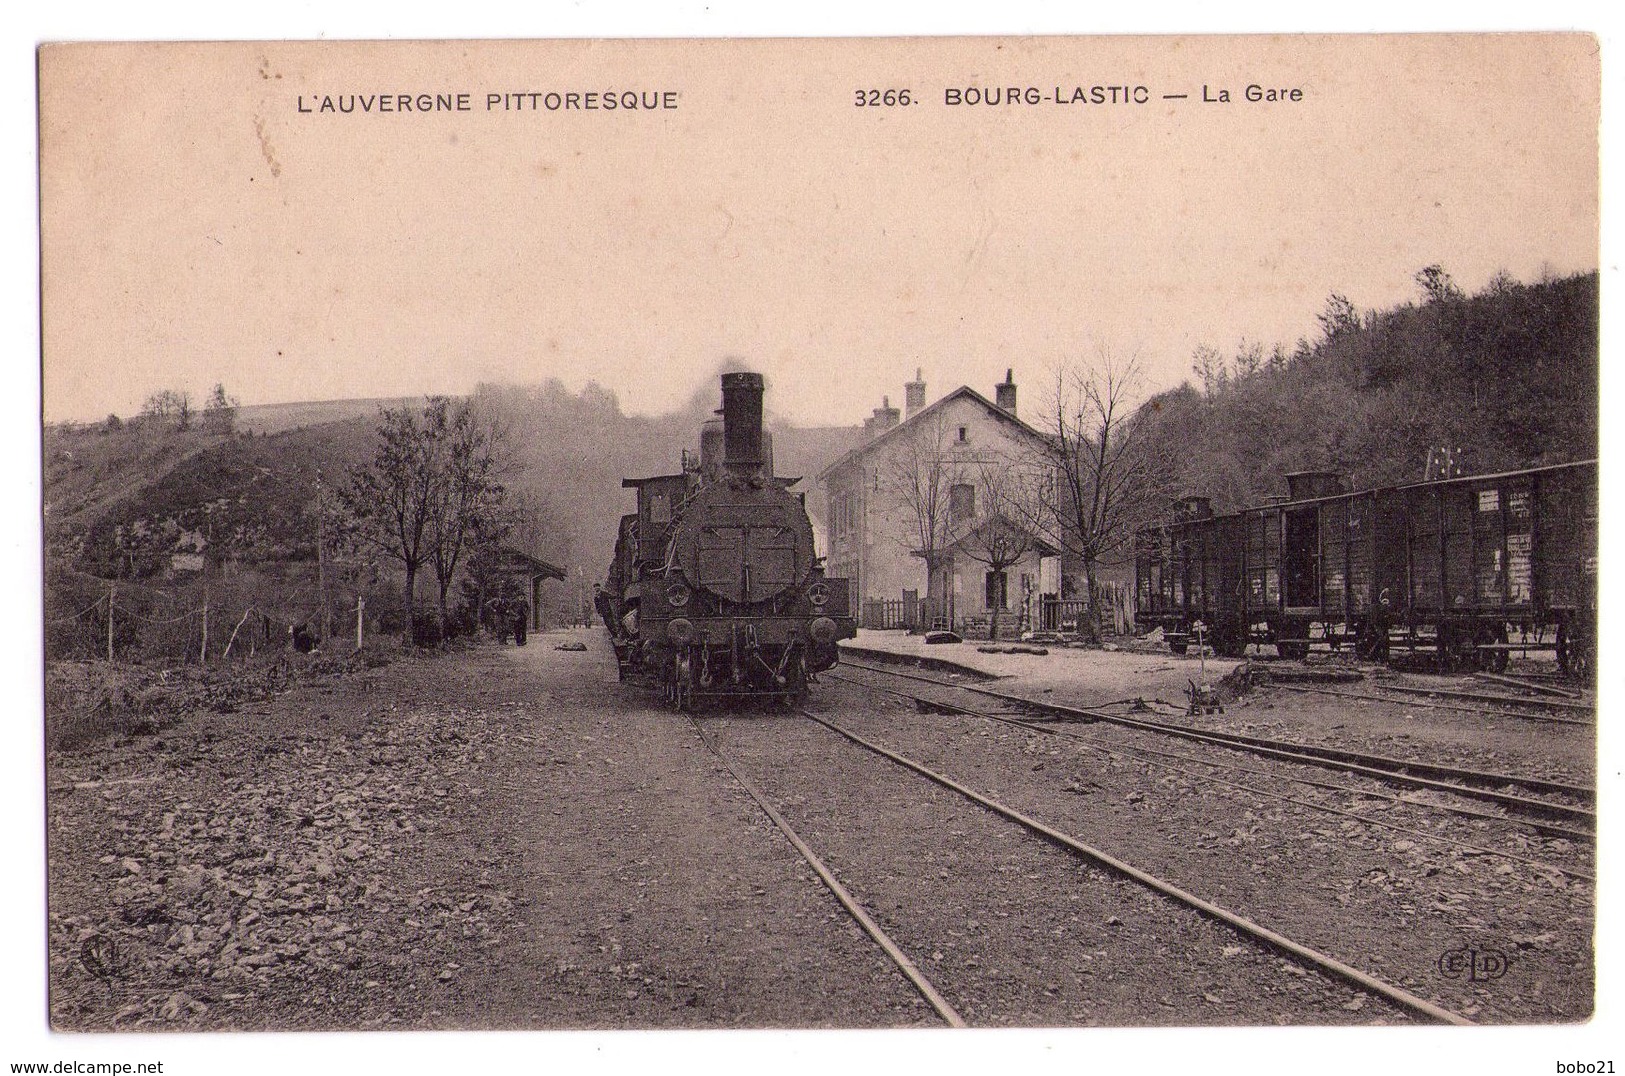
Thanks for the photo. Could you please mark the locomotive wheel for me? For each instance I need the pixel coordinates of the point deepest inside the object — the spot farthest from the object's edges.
(1178, 646)
(795, 685)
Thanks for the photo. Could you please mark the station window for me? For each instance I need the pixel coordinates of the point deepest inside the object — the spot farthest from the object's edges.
(964, 434)
(998, 591)
(962, 501)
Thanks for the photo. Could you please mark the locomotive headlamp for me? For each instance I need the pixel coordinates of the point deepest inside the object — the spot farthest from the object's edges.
(681, 631)
(822, 629)
(677, 595)
(818, 594)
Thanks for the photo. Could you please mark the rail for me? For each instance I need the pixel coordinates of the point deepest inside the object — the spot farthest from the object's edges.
(1377, 766)
(1242, 925)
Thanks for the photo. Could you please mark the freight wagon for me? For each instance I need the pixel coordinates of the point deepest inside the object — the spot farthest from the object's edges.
(1466, 570)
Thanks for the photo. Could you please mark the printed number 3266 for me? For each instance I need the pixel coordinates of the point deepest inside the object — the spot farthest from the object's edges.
(879, 98)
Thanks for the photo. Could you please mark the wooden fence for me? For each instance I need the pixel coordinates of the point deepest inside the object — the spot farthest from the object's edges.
(882, 613)
(1116, 608)
(1054, 614)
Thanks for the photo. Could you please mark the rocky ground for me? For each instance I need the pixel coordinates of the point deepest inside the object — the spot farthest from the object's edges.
(501, 838)
(507, 838)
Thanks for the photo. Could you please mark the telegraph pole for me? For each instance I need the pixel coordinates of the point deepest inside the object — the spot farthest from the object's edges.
(321, 563)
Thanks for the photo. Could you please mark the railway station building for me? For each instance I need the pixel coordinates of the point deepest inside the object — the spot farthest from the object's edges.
(924, 519)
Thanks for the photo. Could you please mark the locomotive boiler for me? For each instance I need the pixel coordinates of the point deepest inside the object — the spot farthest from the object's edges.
(715, 590)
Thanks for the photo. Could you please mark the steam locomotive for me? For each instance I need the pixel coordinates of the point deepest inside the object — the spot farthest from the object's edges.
(715, 590)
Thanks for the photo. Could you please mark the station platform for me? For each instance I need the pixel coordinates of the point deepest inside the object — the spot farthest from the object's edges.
(1084, 677)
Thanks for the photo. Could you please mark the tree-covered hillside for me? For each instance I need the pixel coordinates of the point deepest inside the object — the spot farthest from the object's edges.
(1508, 375)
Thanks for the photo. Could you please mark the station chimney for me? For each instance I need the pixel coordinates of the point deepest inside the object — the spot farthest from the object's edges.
(885, 417)
(1005, 394)
(914, 394)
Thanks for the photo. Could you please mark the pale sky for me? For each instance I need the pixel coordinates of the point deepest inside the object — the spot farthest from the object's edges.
(198, 227)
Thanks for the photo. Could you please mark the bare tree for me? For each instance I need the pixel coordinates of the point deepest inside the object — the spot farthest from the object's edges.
(469, 493)
(1208, 366)
(396, 498)
(1002, 533)
(1249, 358)
(220, 413)
(1337, 317)
(920, 473)
(1102, 483)
(1437, 285)
(169, 405)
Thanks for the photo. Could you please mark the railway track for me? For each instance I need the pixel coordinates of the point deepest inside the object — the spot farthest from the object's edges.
(1574, 807)
(1495, 698)
(1251, 931)
(1430, 704)
(1157, 758)
(911, 971)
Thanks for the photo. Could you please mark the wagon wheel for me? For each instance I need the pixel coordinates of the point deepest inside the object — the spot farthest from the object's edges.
(1447, 649)
(1289, 649)
(1580, 660)
(1457, 649)
(1296, 650)
(1491, 660)
(1230, 642)
(1372, 644)
(1576, 651)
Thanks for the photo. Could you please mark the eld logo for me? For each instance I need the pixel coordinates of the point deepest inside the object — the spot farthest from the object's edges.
(1476, 965)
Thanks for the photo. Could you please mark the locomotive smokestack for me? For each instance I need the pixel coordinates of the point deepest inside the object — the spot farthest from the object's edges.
(742, 421)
